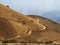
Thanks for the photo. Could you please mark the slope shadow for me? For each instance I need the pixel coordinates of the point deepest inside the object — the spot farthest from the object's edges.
(6, 29)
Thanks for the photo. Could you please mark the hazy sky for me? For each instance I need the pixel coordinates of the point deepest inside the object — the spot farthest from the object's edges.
(26, 5)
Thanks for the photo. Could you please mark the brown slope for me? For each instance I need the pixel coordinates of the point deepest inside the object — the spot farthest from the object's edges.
(51, 25)
(50, 34)
(5, 28)
(20, 23)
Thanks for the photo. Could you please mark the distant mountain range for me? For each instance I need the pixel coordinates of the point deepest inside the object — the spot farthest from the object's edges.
(55, 15)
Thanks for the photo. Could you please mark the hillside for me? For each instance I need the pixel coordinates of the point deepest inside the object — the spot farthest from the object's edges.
(50, 34)
(54, 15)
(16, 25)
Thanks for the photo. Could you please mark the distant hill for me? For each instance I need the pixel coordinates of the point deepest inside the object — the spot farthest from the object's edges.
(55, 15)
(51, 33)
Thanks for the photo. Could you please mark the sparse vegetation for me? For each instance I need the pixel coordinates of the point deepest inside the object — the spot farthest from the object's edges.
(9, 41)
(13, 26)
(31, 20)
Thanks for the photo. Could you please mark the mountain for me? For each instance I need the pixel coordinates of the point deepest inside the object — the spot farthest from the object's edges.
(51, 34)
(16, 25)
(54, 15)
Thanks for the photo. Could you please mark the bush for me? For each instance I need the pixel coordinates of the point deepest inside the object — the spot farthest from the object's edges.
(10, 41)
(7, 6)
(31, 20)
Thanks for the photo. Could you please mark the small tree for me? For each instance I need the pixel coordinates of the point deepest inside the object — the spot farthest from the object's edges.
(7, 6)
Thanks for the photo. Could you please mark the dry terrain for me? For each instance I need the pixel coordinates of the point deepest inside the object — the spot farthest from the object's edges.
(52, 31)
(17, 27)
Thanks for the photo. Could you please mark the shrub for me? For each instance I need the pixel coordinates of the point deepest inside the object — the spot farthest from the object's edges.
(7, 6)
(9, 41)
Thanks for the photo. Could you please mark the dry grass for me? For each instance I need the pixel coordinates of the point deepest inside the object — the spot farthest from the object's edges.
(17, 24)
(51, 33)
(18, 27)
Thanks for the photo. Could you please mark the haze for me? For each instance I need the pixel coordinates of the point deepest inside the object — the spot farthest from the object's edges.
(25, 6)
